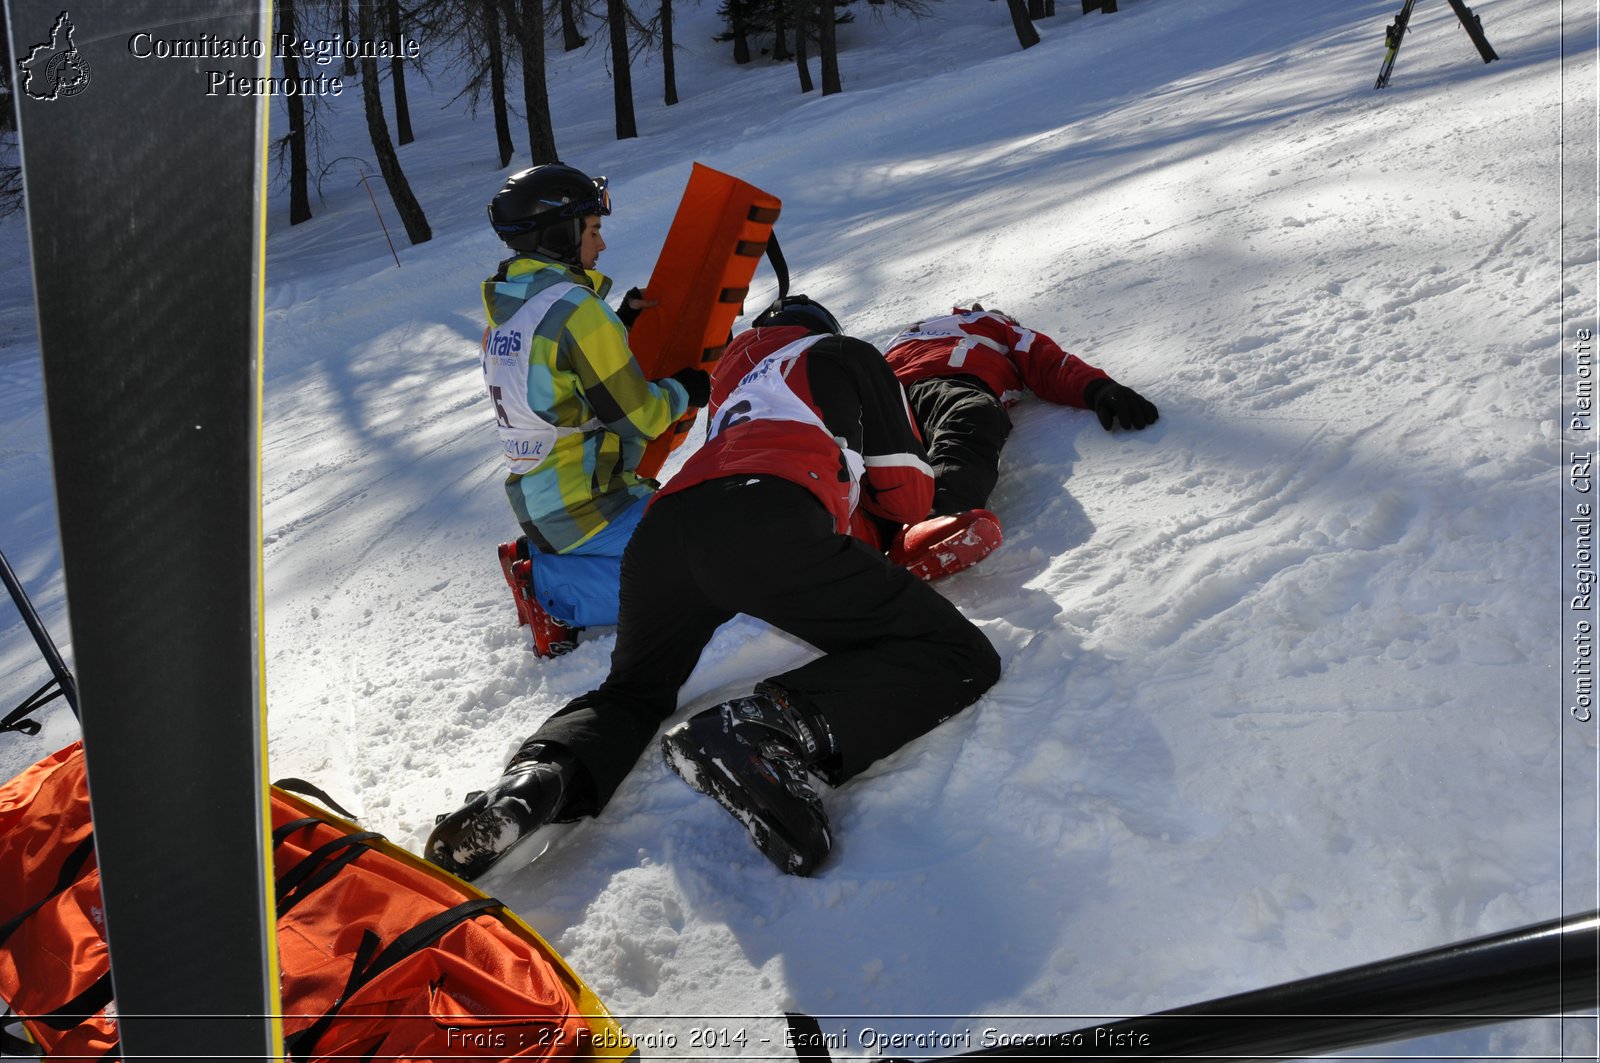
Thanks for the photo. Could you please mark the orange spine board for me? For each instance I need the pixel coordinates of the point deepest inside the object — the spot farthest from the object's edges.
(715, 242)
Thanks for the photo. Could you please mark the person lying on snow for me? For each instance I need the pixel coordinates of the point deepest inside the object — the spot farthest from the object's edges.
(961, 373)
(756, 522)
(573, 409)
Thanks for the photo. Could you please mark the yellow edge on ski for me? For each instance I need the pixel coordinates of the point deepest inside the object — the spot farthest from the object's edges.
(263, 798)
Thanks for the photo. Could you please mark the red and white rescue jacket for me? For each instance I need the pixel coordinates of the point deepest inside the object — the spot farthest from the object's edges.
(991, 347)
(824, 412)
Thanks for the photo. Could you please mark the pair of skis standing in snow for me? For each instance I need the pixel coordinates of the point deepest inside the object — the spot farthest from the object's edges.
(832, 484)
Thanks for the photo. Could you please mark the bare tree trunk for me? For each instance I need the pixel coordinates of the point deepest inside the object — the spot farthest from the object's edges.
(405, 203)
(571, 39)
(1027, 36)
(344, 27)
(802, 10)
(397, 73)
(669, 72)
(535, 98)
(830, 51)
(780, 29)
(497, 79)
(621, 74)
(299, 197)
(741, 39)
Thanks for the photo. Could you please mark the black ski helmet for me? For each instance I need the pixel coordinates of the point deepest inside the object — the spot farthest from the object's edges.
(541, 209)
(799, 310)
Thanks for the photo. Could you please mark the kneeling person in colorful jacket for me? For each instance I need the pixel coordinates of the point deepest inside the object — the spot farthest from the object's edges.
(805, 426)
(573, 409)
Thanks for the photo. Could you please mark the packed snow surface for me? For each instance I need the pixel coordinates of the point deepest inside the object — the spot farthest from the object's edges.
(1283, 673)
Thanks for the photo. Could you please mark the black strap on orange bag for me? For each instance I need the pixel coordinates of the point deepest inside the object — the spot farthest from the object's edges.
(365, 967)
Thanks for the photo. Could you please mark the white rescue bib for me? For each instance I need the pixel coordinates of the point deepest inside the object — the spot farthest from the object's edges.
(525, 437)
(764, 394)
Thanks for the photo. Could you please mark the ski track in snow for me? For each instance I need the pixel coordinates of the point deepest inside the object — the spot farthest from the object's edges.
(1280, 688)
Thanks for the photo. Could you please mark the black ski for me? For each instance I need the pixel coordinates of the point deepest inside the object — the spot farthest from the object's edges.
(1397, 30)
(1473, 24)
(143, 178)
(1392, 38)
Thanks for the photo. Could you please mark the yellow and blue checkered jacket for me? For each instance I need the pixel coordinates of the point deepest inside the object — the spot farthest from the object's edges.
(573, 408)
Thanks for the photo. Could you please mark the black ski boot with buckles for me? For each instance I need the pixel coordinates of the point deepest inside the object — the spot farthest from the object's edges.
(754, 756)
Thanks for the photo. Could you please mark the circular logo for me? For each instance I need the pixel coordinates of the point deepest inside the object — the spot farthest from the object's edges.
(67, 74)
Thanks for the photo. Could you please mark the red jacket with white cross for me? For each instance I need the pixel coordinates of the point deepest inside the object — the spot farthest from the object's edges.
(990, 346)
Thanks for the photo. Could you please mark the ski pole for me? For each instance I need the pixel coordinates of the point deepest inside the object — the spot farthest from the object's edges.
(1529, 972)
(68, 688)
(364, 183)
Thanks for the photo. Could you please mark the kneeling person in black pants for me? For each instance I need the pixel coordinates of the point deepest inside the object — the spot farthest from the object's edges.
(805, 425)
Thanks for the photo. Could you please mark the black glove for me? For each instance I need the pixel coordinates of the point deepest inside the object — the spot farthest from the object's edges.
(697, 382)
(1113, 403)
(627, 313)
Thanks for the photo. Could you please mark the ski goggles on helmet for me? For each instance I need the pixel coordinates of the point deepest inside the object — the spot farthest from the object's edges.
(599, 203)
